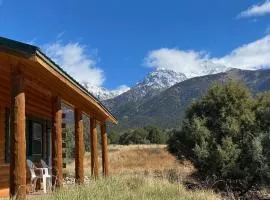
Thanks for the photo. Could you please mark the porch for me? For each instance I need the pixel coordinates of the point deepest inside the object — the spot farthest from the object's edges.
(32, 90)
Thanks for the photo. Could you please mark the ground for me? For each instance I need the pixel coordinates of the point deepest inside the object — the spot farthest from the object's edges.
(138, 159)
(144, 172)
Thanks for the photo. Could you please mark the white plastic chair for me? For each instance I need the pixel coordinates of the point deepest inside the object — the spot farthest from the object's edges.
(47, 174)
(34, 176)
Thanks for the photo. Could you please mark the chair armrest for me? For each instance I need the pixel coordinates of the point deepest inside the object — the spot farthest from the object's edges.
(46, 171)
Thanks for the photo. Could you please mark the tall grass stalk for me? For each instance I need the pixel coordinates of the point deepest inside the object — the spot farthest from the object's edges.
(129, 187)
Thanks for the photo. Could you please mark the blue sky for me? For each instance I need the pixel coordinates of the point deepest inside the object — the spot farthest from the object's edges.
(116, 42)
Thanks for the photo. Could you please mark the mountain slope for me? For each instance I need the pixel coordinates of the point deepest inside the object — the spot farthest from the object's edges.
(167, 108)
(153, 84)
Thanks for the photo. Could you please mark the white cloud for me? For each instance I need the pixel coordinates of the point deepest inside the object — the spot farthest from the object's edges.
(251, 56)
(257, 10)
(73, 58)
(187, 62)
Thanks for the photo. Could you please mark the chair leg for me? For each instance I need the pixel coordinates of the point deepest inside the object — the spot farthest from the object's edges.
(54, 183)
(34, 185)
(50, 183)
(44, 179)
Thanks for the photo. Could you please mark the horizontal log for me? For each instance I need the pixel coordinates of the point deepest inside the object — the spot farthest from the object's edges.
(37, 113)
(38, 106)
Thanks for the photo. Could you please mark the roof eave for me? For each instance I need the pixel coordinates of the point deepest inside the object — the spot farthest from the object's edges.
(56, 67)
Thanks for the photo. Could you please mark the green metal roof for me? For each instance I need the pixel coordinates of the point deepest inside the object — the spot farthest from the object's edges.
(16, 46)
(30, 50)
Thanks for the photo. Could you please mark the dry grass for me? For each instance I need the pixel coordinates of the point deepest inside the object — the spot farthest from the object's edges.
(129, 187)
(138, 159)
(145, 172)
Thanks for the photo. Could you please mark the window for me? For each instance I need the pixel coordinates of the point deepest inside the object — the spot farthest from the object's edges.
(36, 148)
(34, 139)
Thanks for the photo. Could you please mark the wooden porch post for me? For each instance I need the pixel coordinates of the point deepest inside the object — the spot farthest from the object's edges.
(79, 147)
(105, 161)
(94, 152)
(57, 159)
(17, 136)
(2, 133)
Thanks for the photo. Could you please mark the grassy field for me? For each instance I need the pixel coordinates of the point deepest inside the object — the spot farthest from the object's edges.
(138, 159)
(129, 187)
(137, 172)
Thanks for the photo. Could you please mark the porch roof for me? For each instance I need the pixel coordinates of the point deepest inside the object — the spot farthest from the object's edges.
(32, 52)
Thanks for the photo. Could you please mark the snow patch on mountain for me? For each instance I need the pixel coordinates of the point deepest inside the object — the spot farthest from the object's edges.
(161, 78)
(154, 83)
(103, 93)
(208, 67)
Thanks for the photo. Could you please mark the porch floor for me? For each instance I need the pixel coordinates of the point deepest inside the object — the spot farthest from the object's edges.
(4, 193)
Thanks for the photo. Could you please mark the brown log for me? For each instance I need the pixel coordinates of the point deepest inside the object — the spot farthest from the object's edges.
(57, 159)
(17, 137)
(104, 143)
(79, 147)
(94, 152)
(2, 134)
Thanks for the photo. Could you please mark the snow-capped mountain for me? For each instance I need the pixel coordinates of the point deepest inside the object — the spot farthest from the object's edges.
(161, 78)
(104, 94)
(155, 82)
(152, 84)
(208, 67)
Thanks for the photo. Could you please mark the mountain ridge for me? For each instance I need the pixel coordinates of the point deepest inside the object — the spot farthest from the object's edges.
(167, 108)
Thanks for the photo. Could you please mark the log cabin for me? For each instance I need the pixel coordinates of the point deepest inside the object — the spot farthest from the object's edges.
(32, 90)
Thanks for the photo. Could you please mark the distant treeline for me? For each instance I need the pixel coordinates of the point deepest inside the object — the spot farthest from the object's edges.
(146, 135)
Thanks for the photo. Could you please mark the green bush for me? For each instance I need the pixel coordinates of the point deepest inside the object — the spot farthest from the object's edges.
(156, 135)
(146, 135)
(138, 136)
(226, 135)
(70, 144)
(70, 138)
(113, 137)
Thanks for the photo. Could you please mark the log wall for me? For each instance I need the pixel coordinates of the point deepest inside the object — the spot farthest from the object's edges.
(38, 99)
(38, 104)
(2, 134)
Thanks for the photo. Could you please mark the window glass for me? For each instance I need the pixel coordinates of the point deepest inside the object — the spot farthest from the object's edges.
(37, 139)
